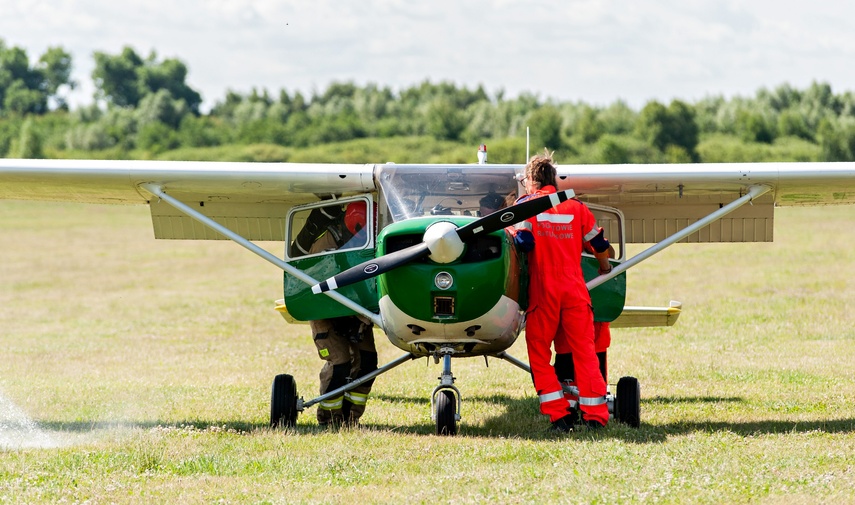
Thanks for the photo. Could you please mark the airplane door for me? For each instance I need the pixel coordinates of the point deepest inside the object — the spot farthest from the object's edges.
(608, 298)
(323, 239)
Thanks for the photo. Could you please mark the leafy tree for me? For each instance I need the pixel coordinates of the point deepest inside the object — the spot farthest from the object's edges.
(617, 119)
(782, 98)
(683, 128)
(837, 139)
(124, 79)
(672, 126)
(161, 107)
(18, 98)
(588, 126)
(482, 121)
(29, 142)
(444, 120)
(9, 130)
(225, 109)
(25, 89)
(792, 124)
(545, 124)
(609, 150)
(55, 66)
(169, 75)
(157, 137)
(117, 77)
(199, 131)
(121, 127)
(752, 126)
(677, 154)
(89, 137)
(708, 112)
(511, 115)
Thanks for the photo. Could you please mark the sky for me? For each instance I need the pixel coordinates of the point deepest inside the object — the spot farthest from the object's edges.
(592, 51)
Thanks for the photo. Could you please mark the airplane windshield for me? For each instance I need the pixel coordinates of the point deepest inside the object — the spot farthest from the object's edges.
(475, 191)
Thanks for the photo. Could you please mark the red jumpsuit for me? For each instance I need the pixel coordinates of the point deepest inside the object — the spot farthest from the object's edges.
(560, 312)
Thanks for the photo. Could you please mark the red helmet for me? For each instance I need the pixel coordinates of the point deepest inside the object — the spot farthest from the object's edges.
(354, 216)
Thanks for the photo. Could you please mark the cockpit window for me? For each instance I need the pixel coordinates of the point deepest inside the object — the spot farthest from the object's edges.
(437, 191)
(329, 226)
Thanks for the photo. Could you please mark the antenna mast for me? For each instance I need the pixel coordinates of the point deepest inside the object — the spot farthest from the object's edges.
(526, 146)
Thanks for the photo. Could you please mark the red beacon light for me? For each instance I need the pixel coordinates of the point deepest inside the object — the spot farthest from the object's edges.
(482, 154)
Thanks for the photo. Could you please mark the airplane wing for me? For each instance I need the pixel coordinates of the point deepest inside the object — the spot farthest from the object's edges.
(659, 200)
(252, 198)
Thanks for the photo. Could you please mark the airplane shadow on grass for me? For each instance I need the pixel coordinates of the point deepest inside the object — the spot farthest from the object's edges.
(520, 418)
(515, 418)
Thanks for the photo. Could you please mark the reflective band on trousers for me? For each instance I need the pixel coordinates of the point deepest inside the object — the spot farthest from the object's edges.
(333, 404)
(356, 398)
(551, 397)
(592, 401)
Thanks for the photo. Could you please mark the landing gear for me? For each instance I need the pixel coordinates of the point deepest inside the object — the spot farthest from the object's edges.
(283, 402)
(446, 413)
(445, 400)
(627, 408)
(285, 405)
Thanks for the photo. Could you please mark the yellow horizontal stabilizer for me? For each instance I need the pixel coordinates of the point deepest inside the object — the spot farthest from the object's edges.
(283, 311)
(641, 317)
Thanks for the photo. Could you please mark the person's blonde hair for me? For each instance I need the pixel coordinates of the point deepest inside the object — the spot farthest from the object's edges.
(540, 169)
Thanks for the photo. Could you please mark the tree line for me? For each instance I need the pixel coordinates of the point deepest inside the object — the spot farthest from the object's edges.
(143, 107)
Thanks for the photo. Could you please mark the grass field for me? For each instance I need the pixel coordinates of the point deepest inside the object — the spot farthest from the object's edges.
(145, 367)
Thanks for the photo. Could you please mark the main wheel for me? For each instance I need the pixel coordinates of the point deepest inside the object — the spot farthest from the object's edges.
(628, 401)
(446, 410)
(283, 402)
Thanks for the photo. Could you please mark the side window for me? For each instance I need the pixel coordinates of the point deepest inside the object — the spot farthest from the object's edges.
(611, 221)
(329, 226)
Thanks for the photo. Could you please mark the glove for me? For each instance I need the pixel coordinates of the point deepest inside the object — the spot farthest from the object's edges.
(524, 240)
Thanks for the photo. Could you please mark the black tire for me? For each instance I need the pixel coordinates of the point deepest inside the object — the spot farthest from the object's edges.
(283, 402)
(446, 410)
(628, 401)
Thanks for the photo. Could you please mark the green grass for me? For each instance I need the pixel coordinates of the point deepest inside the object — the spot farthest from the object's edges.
(149, 363)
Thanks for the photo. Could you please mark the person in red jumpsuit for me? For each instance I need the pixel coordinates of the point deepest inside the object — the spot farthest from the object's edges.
(602, 340)
(560, 312)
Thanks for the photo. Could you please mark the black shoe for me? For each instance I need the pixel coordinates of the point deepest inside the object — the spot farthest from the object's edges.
(563, 425)
(593, 425)
(573, 418)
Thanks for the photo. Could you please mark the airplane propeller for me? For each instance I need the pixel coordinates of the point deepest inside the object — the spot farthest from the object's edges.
(443, 241)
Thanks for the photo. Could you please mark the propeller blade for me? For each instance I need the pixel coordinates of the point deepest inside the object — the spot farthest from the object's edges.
(373, 268)
(514, 214)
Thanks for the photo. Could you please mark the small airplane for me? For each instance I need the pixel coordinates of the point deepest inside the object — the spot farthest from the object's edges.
(432, 269)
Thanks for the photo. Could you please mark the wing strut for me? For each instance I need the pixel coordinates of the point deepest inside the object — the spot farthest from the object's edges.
(754, 191)
(157, 191)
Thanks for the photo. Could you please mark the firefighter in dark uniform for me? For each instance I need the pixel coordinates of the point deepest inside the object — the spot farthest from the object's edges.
(346, 344)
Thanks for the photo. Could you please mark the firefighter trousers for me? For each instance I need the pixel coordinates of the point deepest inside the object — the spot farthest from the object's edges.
(346, 344)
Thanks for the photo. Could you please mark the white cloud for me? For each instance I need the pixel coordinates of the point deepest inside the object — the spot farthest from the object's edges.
(590, 50)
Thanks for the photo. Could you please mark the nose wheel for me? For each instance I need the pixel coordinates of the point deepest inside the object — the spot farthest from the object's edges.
(445, 400)
(446, 412)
